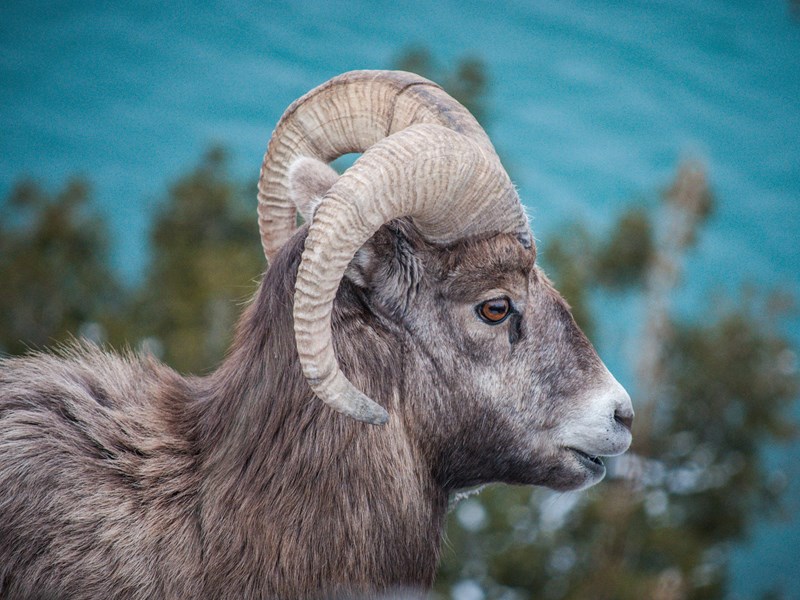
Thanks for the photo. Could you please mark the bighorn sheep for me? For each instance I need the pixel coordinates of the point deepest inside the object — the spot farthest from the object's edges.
(411, 301)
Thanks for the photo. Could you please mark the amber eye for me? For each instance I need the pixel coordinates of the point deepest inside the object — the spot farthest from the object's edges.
(494, 311)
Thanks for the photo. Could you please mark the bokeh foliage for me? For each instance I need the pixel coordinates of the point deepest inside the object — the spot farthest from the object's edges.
(205, 264)
(55, 279)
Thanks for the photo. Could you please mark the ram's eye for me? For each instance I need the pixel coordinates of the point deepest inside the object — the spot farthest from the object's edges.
(494, 311)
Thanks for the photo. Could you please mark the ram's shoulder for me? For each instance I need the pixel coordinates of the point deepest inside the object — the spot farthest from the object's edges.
(80, 373)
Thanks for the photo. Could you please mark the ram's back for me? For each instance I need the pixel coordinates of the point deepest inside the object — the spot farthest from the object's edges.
(95, 497)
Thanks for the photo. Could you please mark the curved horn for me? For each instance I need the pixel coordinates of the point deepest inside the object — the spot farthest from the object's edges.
(425, 156)
(443, 180)
(347, 114)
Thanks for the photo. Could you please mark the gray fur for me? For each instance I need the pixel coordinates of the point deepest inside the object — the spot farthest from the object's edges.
(120, 478)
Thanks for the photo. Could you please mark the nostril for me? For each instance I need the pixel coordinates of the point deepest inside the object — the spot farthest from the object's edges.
(624, 418)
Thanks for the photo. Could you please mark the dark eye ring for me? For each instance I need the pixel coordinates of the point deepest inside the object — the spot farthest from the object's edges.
(494, 311)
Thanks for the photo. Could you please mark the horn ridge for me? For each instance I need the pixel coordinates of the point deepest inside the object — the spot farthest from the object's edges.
(348, 113)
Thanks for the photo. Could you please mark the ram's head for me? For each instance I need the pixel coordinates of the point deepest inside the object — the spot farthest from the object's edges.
(426, 232)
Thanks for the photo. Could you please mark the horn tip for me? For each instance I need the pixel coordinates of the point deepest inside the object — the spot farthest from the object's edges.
(357, 406)
(381, 417)
(370, 412)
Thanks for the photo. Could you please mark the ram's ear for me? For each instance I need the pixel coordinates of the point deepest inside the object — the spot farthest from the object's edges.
(389, 267)
(309, 181)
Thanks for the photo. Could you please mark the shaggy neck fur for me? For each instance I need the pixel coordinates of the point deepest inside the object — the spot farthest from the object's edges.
(318, 475)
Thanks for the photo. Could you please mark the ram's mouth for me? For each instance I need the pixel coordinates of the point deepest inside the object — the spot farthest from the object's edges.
(590, 461)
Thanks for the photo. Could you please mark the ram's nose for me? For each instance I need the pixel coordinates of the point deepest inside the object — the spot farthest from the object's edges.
(623, 411)
(615, 406)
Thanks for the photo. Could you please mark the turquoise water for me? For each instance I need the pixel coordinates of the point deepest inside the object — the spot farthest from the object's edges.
(594, 103)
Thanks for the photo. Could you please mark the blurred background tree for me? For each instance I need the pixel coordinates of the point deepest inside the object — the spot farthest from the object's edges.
(56, 280)
(205, 264)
